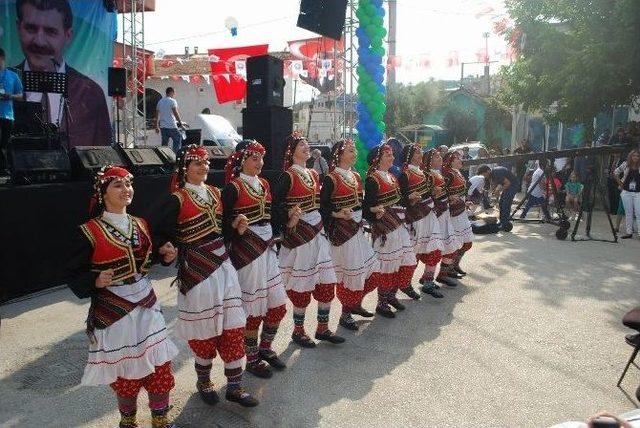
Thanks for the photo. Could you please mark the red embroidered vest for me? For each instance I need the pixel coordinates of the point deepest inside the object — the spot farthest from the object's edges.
(455, 183)
(388, 193)
(127, 255)
(346, 194)
(304, 190)
(419, 182)
(438, 182)
(198, 217)
(256, 206)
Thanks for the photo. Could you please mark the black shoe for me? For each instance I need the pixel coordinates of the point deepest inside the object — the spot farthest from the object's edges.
(303, 340)
(128, 422)
(432, 292)
(259, 369)
(454, 274)
(348, 323)
(633, 339)
(242, 397)
(272, 359)
(385, 311)
(459, 270)
(362, 312)
(330, 337)
(449, 282)
(409, 291)
(207, 393)
(396, 304)
(627, 236)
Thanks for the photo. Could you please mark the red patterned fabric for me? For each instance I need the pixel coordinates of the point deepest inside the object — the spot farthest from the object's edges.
(299, 300)
(450, 256)
(404, 276)
(431, 259)
(323, 293)
(386, 281)
(351, 299)
(465, 247)
(275, 315)
(253, 323)
(159, 382)
(230, 345)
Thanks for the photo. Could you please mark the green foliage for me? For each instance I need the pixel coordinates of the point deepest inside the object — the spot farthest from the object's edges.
(461, 124)
(408, 104)
(577, 57)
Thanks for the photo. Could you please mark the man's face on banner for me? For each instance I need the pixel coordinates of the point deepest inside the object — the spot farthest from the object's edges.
(42, 37)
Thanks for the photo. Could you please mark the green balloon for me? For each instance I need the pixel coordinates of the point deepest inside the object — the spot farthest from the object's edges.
(371, 30)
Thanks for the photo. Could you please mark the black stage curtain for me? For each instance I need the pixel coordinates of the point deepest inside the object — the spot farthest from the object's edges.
(38, 221)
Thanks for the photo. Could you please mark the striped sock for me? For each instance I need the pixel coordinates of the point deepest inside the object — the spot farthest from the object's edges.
(128, 408)
(267, 336)
(323, 317)
(251, 346)
(204, 374)
(298, 321)
(234, 378)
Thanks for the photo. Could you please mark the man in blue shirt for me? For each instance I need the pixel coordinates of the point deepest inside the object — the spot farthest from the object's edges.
(10, 91)
(510, 186)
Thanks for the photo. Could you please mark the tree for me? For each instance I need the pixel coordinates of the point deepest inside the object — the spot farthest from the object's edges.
(461, 123)
(408, 104)
(576, 57)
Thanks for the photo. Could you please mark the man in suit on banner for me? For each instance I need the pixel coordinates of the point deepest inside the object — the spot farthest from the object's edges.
(44, 30)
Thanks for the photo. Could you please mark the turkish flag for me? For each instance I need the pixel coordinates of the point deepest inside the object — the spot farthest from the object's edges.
(229, 85)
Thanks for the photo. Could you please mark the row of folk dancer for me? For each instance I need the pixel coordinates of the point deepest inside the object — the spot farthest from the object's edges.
(230, 277)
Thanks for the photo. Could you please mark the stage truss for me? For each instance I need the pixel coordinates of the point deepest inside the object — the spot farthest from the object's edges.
(133, 128)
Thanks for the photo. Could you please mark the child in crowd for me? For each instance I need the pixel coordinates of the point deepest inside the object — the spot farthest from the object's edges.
(574, 193)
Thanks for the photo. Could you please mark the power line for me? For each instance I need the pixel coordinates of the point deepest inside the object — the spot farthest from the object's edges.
(257, 24)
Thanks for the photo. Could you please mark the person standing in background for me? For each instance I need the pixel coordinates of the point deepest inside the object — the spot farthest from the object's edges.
(10, 91)
(168, 120)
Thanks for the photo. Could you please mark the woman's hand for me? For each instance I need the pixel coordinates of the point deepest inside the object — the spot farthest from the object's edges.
(168, 252)
(378, 211)
(104, 279)
(241, 224)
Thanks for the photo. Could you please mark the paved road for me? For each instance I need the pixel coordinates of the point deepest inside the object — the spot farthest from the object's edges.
(531, 339)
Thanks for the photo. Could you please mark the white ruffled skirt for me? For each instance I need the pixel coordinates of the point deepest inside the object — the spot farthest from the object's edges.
(133, 346)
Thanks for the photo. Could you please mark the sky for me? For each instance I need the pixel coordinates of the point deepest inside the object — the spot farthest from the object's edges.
(427, 30)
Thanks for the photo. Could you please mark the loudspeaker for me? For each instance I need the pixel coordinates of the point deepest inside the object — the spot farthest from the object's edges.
(269, 126)
(324, 17)
(218, 156)
(117, 86)
(39, 165)
(167, 155)
(87, 160)
(265, 82)
(143, 161)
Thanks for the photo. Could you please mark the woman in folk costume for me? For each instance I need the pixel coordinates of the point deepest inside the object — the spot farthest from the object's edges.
(305, 255)
(457, 189)
(129, 348)
(247, 229)
(416, 188)
(391, 241)
(211, 317)
(356, 264)
(431, 163)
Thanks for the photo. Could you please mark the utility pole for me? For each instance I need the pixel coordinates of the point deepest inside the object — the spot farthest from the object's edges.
(486, 61)
(391, 71)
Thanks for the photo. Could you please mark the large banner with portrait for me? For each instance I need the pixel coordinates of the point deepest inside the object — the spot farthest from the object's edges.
(70, 37)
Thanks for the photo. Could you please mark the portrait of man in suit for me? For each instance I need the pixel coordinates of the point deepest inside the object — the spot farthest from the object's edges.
(45, 29)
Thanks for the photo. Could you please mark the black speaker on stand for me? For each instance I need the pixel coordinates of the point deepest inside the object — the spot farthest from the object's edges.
(265, 82)
(269, 126)
(324, 17)
(117, 88)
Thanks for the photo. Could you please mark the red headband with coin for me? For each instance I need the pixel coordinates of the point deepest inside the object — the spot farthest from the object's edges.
(103, 177)
(243, 151)
(292, 142)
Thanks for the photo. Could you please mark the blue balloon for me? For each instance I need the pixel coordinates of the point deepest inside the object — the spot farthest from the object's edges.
(381, 12)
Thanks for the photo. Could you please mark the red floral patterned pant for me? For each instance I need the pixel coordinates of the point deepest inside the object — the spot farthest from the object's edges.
(159, 382)
(322, 293)
(230, 345)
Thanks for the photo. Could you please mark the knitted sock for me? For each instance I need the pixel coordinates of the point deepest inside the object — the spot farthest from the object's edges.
(323, 317)
(128, 408)
(298, 321)
(204, 374)
(234, 378)
(267, 336)
(251, 346)
(383, 299)
(159, 405)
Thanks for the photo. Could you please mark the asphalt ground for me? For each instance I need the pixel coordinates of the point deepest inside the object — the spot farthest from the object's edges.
(532, 337)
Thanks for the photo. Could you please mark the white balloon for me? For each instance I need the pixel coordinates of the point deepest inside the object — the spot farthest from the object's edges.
(231, 22)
